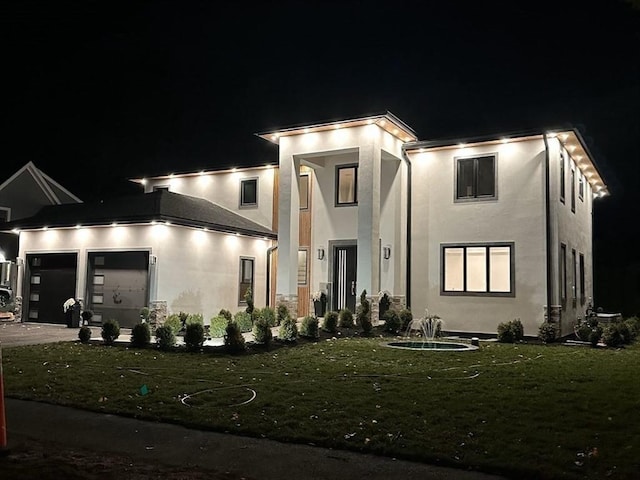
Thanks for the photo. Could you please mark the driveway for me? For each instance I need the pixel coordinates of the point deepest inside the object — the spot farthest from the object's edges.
(30, 333)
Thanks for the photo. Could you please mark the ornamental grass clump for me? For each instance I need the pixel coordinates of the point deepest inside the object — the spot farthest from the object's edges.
(110, 331)
(194, 336)
(165, 338)
(309, 327)
(330, 322)
(140, 335)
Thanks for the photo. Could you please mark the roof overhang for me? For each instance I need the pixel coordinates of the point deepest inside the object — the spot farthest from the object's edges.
(386, 121)
(569, 138)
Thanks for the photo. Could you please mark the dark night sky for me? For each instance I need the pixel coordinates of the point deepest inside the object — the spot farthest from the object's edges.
(98, 91)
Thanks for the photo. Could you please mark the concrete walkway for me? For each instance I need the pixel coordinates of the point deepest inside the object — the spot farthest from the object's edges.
(176, 445)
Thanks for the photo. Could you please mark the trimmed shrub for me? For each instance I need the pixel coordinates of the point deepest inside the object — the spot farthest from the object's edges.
(345, 319)
(174, 323)
(633, 325)
(391, 321)
(405, 318)
(218, 326)
(282, 313)
(583, 332)
(194, 336)
(624, 332)
(140, 335)
(268, 314)
(165, 338)
(86, 316)
(183, 320)
(547, 332)
(613, 334)
(595, 335)
(510, 332)
(363, 314)
(84, 334)
(262, 331)
(384, 304)
(243, 319)
(248, 297)
(110, 331)
(195, 318)
(330, 322)
(145, 313)
(226, 314)
(233, 339)
(309, 327)
(288, 330)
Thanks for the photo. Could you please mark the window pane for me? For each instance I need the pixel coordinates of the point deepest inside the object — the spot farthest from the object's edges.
(453, 269)
(465, 178)
(249, 192)
(486, 177)
(476, 269)
(302, 267)
(246, 278)
(573, 190)
(562, 180)
(247, 270)
(347, 185)
(563, 271)
(499, 269)
(304, 192)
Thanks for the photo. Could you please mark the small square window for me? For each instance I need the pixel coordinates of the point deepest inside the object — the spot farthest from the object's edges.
(98, 279)
(476, 178)
(35, 280)
(33, 314)
(302, 266)
(97, 299)
(34, 297)
(5, 214)
(249, 192)
(346, 185)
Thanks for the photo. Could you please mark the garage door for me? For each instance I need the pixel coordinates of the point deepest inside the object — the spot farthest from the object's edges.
(51, 280)
(118, 286)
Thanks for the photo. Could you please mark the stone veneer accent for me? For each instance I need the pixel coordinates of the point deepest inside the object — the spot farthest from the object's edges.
(290, 301)
(157, 310)
(398, 303)
(17, 313)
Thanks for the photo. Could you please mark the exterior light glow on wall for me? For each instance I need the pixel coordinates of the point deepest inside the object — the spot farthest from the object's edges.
(386, 252)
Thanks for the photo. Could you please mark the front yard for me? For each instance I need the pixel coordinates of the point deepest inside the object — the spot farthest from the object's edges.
(523, 410)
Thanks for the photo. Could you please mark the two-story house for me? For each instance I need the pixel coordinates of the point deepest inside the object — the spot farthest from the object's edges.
(478, 230)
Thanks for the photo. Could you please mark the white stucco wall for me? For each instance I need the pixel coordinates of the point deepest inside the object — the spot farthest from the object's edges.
(517, 215)
(575, 230)
(223, 188)
(196, 271)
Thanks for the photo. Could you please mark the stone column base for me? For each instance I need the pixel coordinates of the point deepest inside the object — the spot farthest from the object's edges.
(157, 312)
(290, 301)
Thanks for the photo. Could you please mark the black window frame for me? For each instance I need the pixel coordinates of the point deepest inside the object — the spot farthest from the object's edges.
(241, 292)
(563, 188)
(563, 272)
(487, 246)
(476, 161)
(581, 186)
(574, 273)
(243, 202)
(583, 296)
(573, 190)
(337, 203)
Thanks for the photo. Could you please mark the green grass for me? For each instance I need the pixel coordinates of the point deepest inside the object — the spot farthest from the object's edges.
(525, 411)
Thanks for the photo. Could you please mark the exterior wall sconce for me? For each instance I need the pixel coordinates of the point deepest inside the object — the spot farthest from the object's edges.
(153, 259)
(321, 253)
(386, 252)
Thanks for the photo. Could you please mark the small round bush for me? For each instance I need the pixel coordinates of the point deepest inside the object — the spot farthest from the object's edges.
(84, 334)
(517, 329)
(233, 339)
(505, 334)
(145, 313)
(165, 338)
(330, 322)
(226, 314)
(405, 318)
(547, 332)
(633, 325)
(243, 319)
(262, 331)
(391, 321)
(309, 327)
(173, 321)
(269, 315)
(194, 318)
(345, 319)
(612, 335)
(110, 331)
(583, 332)
(140, 335)
(194, 336)
(282, 313)
(218, 326)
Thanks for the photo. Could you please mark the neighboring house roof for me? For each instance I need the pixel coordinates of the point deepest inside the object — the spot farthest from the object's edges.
(55, 192)
(159, 206)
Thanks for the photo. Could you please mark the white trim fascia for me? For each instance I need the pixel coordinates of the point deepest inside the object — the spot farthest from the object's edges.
(15, 175)
(48, 191)
(52, 181)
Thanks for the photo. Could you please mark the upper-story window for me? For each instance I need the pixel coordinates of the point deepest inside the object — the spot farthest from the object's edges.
(476, 178)
(5, 214)
(346, 185)
(581, 186)
(573, 190)
(562, 179)
(249, 192)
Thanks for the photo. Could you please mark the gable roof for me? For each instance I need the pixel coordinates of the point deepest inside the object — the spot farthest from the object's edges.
(158, 206)
(54, 192)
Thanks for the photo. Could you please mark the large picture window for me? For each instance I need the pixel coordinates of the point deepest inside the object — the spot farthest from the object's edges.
(476, 178)
(249, 192)
(246, 279)
(478, 269)
(346, 185)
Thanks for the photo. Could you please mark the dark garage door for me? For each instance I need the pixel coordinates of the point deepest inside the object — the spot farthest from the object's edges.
(117, 286)
(51, 280)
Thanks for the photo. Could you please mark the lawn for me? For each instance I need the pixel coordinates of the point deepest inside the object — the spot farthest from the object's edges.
(523, 410)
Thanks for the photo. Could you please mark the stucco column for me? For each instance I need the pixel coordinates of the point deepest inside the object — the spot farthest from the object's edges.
(288, 232)
(369, 159)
